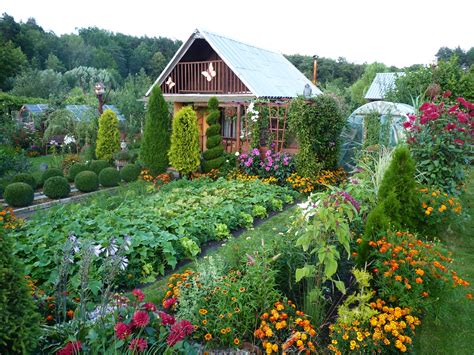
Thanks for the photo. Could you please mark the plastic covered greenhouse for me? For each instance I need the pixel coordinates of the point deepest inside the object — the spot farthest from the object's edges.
(390, 118)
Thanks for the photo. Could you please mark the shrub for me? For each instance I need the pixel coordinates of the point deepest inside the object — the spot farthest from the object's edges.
(86, 181)
(184, 150)
(156, 136)
(10, 160)
(108, 136)
(317, 127)
(109, 177)
(19, 321)
(76, 169)
(130, 172)
(26, 178)
(69, 161)
(50, 173)
(123, 155)
(98, 165)
(272, 164)
(439, 141)
(56, 187)
(19, 194)
(213, 157)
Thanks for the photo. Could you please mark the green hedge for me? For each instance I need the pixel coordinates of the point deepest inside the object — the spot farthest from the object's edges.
(56, 187)
(98, 165)
(213, 164)
(86, 181)
(130, 172)
(213, 153)
(50, 173)
(26, 178)
(19, 194)
(109, 177)
(76, 169)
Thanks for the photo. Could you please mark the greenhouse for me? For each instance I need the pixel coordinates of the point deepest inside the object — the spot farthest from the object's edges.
(375, 123)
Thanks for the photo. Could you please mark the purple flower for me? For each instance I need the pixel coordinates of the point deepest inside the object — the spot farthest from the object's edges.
(268, 153)
(349, 198)
(267, 168)
(275, 167)
(255, 151)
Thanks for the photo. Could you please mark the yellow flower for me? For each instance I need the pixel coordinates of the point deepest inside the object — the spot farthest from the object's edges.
(203, 311)
(208, 336)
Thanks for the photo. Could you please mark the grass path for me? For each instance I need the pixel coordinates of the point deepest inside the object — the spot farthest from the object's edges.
(452, 330)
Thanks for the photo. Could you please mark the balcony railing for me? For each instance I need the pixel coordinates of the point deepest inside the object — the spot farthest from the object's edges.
(188, 78)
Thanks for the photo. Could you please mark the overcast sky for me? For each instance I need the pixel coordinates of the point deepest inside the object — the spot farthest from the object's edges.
(401, 32)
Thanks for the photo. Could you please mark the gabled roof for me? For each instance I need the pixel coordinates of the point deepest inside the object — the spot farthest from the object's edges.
(382, 84)
(36, 109)
(264, 73)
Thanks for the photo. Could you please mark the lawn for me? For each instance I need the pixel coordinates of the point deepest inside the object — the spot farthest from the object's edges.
(451, 331)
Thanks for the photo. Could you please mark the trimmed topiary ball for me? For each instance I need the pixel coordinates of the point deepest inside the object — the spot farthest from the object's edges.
(76, 169)
(50, 173)
(56, 187)
(26, 178)
(98, 165)
(130, 172)
(109, 177)
(19, 194)
(86, 181)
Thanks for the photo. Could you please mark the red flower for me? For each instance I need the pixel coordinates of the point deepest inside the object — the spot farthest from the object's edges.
(179, 331)
(453, 108)
(71, 348)
(169, 302)
(450, 126)
(166, 318)
(141, 319)
(139, 295)
(459, 141)
(150, 307)
(122, 330)
(463, 117)
(447, 93)
(406, 124)
(138, 344)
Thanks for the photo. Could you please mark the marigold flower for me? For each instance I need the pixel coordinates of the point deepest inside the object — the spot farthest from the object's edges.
(469, 296)
(208, 336)
(203, 311)
(419, 280)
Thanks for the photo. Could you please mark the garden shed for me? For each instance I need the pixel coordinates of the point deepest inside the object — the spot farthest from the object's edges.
(237, 74)
(382, 120)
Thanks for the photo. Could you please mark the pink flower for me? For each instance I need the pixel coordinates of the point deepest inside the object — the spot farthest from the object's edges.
(166, 319)
(122, 330)
(453, 109)
(71, 348)
(179, 331)
(255, 151)
(141, 319)
(447, 93)
(169, 302)
(406, 124)
(150, 307)
(139, 295)
(138, 344)
(450, 126)
(267, 168)
(463, 117)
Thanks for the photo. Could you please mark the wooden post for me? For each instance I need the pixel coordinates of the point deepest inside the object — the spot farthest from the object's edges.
(238, 127)
(315, 67)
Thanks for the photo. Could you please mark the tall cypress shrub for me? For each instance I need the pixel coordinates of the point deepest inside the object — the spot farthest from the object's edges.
(108, 136)
(156, 136)
(19, 320)
(397, 204)
(184, 150)
(213, 157)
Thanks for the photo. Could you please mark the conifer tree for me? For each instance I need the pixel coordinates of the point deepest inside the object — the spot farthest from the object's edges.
(184, 151)
(213, 157)
(156, 135)
(108, 136)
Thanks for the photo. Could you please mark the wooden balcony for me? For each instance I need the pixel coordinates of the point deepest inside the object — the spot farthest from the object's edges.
(188, 79)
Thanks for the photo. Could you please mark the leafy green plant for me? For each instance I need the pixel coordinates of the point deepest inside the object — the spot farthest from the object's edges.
(109, 177)
(317, 127)
(156, 136)
(86, 181)
(18, 194)
(130, 172)
(372, 129)
(26, 178)
(184, 150)
(213, 157)
(221, 231)
(108, 136)
(259, 211)
(56, 187)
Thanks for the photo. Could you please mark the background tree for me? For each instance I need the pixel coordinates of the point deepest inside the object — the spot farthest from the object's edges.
(156, 136)
(12, 60)
(213, 157)
(184, 151)
(108, 136)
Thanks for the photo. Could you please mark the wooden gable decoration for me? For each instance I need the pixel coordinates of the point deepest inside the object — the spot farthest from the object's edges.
(202, 71)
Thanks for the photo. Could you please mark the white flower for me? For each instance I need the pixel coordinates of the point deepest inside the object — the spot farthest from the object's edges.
(237, 154)
(227, 161)
(53, 142)
(123, 263)
(97, 249)
(69, 139)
